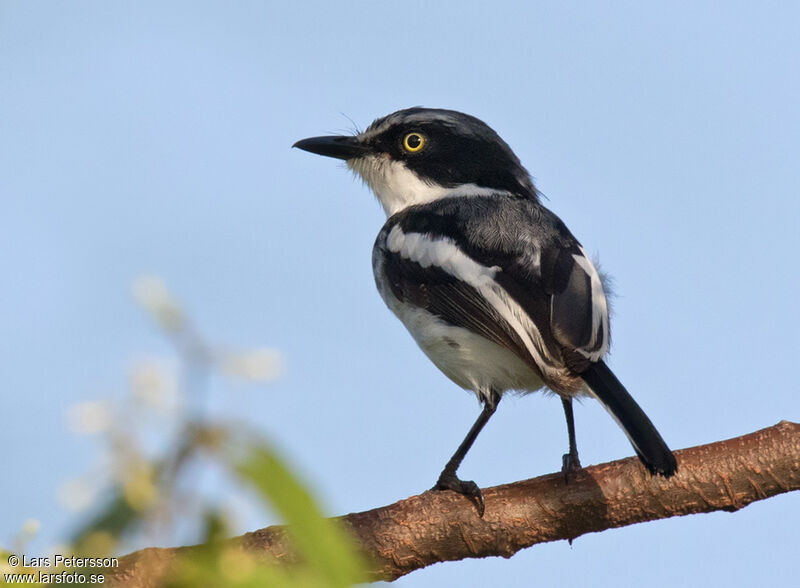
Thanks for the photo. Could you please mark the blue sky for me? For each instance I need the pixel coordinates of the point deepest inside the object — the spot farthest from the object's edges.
(154, 138)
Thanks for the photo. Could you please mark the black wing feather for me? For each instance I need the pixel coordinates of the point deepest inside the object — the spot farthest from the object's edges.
(450, 299)
(536, 254)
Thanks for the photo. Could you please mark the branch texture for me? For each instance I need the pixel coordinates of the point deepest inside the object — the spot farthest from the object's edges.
(444, 526)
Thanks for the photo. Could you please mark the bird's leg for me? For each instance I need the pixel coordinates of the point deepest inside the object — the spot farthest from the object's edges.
(570, 461)
(448, 479)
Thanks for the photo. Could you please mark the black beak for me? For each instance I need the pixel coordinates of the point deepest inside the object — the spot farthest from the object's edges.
(340, 147)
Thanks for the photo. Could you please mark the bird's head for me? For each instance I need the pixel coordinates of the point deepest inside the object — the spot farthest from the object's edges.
(419, 155)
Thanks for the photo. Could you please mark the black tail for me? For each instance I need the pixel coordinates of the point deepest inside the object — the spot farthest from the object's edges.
(647, 442)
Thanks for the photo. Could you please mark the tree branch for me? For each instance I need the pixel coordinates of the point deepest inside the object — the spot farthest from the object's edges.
(444, 526)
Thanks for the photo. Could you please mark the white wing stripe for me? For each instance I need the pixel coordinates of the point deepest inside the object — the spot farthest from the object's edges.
(445, 254)
(599, 308)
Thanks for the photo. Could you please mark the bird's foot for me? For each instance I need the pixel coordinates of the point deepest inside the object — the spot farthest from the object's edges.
(449, 481)
(571, 465)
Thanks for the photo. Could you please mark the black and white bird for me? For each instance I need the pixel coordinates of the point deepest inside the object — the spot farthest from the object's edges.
(492, 285)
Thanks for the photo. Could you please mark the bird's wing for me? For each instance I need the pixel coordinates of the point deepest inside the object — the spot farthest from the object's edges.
(578, 308)
(433, 275)
(513, 274)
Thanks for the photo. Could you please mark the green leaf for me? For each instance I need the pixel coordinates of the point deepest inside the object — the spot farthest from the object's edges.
(326, 548)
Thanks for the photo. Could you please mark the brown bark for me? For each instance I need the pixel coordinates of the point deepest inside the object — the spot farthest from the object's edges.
(444, 526)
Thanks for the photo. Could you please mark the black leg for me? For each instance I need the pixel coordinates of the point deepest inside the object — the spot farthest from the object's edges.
(448, 479)
(570, 461)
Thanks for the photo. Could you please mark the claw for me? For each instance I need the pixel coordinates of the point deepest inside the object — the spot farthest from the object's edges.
(466, 487)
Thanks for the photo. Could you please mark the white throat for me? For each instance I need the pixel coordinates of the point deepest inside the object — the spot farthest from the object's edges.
(397, 187)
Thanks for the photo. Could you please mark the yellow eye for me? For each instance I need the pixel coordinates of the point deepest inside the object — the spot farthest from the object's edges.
(413, 142)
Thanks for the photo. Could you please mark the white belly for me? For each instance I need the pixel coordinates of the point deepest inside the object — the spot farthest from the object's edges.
(471, 361)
